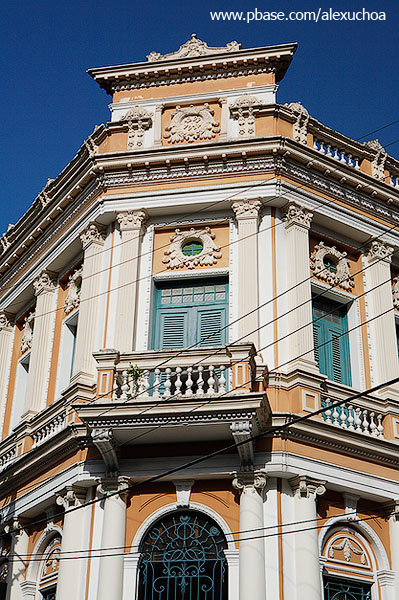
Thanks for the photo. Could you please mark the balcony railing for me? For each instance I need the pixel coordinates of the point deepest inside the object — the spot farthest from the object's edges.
(49, 429)
(339, 154)
(353, 418)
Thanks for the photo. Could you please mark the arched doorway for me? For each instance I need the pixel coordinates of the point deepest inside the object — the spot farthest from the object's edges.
(182, 558)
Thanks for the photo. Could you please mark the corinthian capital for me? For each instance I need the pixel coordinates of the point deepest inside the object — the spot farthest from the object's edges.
(114, 485)
(5, 321)
(295, 214)
(246, 209)
(46, 282)
(94, 233)
(249, 479)
(71, 496)
(132, 219)
(380, 251)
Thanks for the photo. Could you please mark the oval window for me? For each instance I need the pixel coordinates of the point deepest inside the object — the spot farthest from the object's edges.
(330, 264)
(192, 248)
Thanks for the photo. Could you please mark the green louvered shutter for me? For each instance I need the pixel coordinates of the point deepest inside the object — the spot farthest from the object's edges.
(316, 335)
(173, 329)
(211, 326)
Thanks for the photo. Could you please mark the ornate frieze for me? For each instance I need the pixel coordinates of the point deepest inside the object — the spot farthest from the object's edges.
(27, 336)
(380, 251)
(194, 47)
(131, 219)
(301, 122)
(295, 214)
(94, 233)
(246, 209)
(72, 299)
(46, 282)
(138, 121)
(175, 258)
(191, 124)
(332, 266)
(244, 110)
(378, 163)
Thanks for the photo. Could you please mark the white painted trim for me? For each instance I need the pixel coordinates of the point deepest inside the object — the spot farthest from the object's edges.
(194, 274)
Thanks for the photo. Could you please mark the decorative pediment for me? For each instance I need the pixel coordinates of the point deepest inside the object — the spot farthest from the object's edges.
(138, 120)
(194, 47)
(332, 266)
(192, 124)
(192, 248)
(72, 299)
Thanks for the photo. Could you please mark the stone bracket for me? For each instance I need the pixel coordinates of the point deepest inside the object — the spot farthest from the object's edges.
(103, 440)
(241, 431)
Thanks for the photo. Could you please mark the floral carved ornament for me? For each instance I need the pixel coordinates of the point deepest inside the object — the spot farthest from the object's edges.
(72, 299)
(209, 255)
(342, 276)
(192, 123)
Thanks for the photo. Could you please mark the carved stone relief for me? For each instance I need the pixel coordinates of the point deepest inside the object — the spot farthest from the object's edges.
(378, 163)
(336, 271)
(301, 123)
(138, 121)
(191, 124)
(395, 291)
(348, 547)
(72, 299)
(209, 255)
(244, 110)
(295, 214)
(26, 342)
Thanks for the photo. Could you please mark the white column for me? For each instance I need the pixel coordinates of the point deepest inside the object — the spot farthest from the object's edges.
(247, 216)
(308, 575)
(385, 364)
(251, 544)
(6, 336)
(110, 582)
(45, 286)
(72, 538)
(19, 561)
(298, 300)
(394, 539)
(84, 367)
(131, 226)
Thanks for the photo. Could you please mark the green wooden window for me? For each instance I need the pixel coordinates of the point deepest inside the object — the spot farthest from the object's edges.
(342, 589)
(331, 344)
(190, 314)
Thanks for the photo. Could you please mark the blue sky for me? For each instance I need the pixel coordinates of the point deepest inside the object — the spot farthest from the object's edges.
(345, 73)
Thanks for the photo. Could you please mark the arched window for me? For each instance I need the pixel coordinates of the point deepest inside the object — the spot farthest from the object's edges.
(182, 557)
(49, 570)
(348, 566)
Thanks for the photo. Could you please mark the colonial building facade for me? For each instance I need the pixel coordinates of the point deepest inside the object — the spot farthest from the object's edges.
(209, 265)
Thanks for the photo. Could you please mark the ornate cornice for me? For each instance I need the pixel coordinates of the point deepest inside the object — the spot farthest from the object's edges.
(132, 219)
(246, 209)
(45, 282)
(295, 214)
(93, 234)
(380, 251)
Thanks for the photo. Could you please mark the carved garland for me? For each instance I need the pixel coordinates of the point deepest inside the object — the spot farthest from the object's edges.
(72, 299)
(342, 276)
(209, 255)
(192, 123)
(348, 547)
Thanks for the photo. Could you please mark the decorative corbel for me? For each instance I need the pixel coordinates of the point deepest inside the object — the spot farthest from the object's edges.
(103, 440)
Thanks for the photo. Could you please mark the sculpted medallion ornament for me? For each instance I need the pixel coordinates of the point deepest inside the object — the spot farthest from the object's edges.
(207, 252)
(192, 123)
(194, 47)
(72, 299)
(26, 342)
(332, 266)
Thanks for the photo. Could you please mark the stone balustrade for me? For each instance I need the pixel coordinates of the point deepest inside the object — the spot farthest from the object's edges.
(49, 429)
(337, 153)
(7, 457)
(164, 383)
(353, 418)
